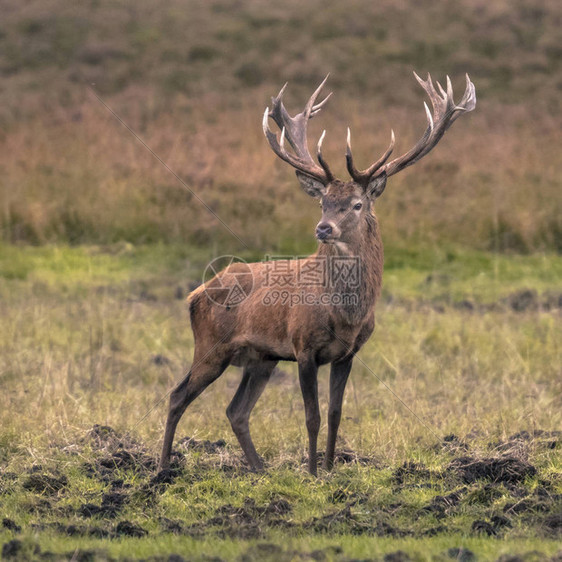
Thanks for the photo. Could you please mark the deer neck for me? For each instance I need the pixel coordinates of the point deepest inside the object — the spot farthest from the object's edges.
(355, 271)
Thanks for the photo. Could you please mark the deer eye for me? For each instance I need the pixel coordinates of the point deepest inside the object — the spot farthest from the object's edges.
(358, 206)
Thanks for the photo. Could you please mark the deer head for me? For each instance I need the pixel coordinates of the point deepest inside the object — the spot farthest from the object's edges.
(345, 203)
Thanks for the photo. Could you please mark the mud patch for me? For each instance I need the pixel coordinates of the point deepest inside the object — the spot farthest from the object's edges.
(344, 522)
(160, 360)
(416, 474)
(553, 524)
(500, 522)
(277, 507)
(20, 550)
(38, 505)
(136, 461)
(490, 528)
(347, 457)
(461, 554)
(452, 444)
(6, 482)
(507, 470)
(205, 446)
(118, 453)
(486, 494)
(128, 529)
(231, 522)
(11, 549)
(45, 484)
(524, 300)
(102, 436)
(105, 439)
(398, 556)
(552, 300)
(332, 522)
(525, 505)
(10, 525)
(149, 492)
(471, 484)
(163, 479)
(351, 498)
(541, 510)
(172, 526)
(72, 530)
(410, 470)
(111, 504)
(443, 505)
(521, 443)
(537, 434)
(77, 530)
(89, 555)
(246, 522)
(528, 300)
(44, 506)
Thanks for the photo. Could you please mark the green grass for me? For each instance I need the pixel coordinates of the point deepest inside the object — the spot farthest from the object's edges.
(424, 272)
(96, 335)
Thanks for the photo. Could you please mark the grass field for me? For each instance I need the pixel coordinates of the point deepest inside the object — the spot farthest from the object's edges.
(450, 443)
(450, 438)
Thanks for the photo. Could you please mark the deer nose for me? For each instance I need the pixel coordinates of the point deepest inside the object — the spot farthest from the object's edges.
(323, 230)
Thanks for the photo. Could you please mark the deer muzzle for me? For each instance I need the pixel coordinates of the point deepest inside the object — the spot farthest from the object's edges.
(327, 232)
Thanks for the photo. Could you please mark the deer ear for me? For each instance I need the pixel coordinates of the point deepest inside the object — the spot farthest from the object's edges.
(376, 186)
(311, 186)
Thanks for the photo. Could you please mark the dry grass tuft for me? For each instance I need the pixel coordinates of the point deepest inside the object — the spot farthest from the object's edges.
(192, 82)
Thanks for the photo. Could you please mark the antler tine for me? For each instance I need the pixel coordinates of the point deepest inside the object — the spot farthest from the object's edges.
(353, 171)
(294, 129)
(316, 108)
(297, 125)
(310, 103)
(363, 176)
(323, 162)
(468, 100)
(428, 86)
(281, 92)
(279, 146)
(449, 88)
(445, 112)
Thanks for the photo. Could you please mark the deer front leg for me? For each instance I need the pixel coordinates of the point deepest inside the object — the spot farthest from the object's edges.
(339, 374)
(308, 377)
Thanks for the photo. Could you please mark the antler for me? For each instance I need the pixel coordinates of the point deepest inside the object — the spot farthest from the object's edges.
(294, 130)
(445, 112)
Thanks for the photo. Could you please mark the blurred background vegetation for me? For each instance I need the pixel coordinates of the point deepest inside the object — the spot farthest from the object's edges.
(192, 78)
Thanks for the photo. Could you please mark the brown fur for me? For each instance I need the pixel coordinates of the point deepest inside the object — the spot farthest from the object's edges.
(257, 331)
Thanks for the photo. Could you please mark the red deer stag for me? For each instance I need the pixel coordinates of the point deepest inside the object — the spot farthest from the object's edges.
(329, 321)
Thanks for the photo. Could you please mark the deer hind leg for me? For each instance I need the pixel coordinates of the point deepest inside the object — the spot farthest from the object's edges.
(339, 374)
(254, 380)
(202, 373)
